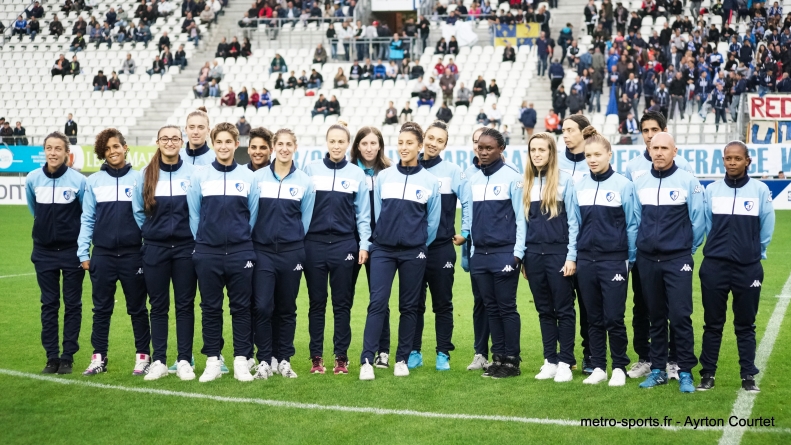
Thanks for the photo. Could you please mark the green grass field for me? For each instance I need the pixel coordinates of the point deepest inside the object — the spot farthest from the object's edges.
(37, 411)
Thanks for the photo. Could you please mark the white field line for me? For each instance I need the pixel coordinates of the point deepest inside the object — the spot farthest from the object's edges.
(743, 406)
(17, 275)
(347, 409)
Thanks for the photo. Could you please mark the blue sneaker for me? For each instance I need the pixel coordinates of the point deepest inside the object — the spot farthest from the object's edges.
(415, 360)
(656, 378)
(174, 368)
(685, 382)
(223, 369)
(443, 363)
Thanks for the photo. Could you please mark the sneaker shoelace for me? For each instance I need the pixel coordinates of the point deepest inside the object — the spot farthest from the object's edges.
(316, 362)
(95, 364)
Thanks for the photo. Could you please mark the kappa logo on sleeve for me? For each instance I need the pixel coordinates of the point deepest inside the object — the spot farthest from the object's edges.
(698, 189)
(519, 184)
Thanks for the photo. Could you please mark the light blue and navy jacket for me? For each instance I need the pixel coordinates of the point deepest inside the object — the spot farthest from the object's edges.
(640, 165)
(573, 164)
(107, 217)
(451, 187)
(673, 214)
(498, 223)
(342, 207)
(201, 156)
(55, 201)
(609, 217)
(407, 206)
(740, 220)
(284, 210)
(558, 235)
(223, 204)
(169, 224)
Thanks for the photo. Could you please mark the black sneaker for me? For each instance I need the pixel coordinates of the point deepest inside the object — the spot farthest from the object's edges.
(382, 360)
(587, 367)
(494, 366)
(509, 368)
(748, 384)
(52, 366)
(65, 367)
(706, 382)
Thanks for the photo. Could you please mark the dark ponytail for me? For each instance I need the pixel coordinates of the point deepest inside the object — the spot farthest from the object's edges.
(151, 176)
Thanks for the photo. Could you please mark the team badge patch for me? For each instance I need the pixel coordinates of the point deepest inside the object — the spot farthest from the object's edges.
(345, 184)
(748, 205)
(184, 185)
(67, 195)
(497, 190)
(610, 196)
(128, 192)
(674, 195)
(239, 186)
(419, 194)
(293, 191)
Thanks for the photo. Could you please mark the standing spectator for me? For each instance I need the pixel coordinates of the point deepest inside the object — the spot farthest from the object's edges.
(391, 117)
(397, 49)
(278, 65)
(19, 134)
(633, 90)
(447, 83)
(229, 99)
(556, 74)
(624, 108)
(71, 129)
(542, 50)
(320, 107)
(528, 119)
(444, 114)
(424, 28)
(559, 101)
(243, 98)
(677, 89)
(100, 81)
(320, 54)
(631, 128)
(243, 126)
(56, 27)
(463, 95)
(157, 67)
(114, 84)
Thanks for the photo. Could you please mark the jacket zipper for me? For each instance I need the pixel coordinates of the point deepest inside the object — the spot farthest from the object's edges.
(332, 190)
(279, 188)
(733, 207)
(171, 203)
(224, 194)
(54, 207)
(403, 193)
(658, 190)
(117, 189)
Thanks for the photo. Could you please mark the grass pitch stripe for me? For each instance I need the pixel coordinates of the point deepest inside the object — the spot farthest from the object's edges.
(348, 409)
(17, 275)
(743, 406)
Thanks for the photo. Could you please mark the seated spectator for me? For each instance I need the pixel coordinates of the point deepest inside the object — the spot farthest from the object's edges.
(333, 106)
(157, 67)
(19, 134)
(201, 89)
(105, 36)
(417, 71)
(234, 49)
(247, 48)
(444, 114)
(114, 84)
(320, 54)
(222, 49)
(56, 27)
(216, 72)
(406, 113)
(482, 118)
(315, 79)
(340, 80)
(479, 87)
(214, 88)
(454, 69)
(391, 116)
(367, 71)
(20, 28)
(278, 65)
(494, 90)
(35, 11)
(180, 58)
(463, 96)
(247, 22)
(207, 16)
(320, 107)
(143, 34)
(453, 46)
(74, 66)
(67, 7)
(60, 67)
(291, 83)
(426, 97)
(433, 88)
(188, 24)
(442, 47)
(380, 71)
(165, 41)
(265, 99)
(243, 126)
(552, 122)
(79, 26)
(100, 81)
(243, 98)
(254, 98)
(405, 70)
(302, 80)
(509, 54)
(140, 12)
(506, 135)
(111, 17)
(165, 8)
(7, 133)
(439, 68)
(494, 115)
(167, 57)
(392, 70)
(122, 18)
(229, 99)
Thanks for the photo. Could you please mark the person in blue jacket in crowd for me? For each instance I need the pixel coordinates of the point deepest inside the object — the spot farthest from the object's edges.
(605, 249)
(333, 247)
(497, 235)
(286, 197)
(407, 206)
(368, 153)
(672, 227)
(223, 207)
(551, 253)
(54, 198)
(441, 261)
(573, 163)
(196, 151)
(109, 224)
(161, 211)
(740, 220)
(651, 124)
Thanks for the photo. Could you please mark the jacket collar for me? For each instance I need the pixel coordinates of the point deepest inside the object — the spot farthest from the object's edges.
(202, 150)
(736, 183)
(603, 176)
(492, 168)
(58, 173)
(334, 165)
(408, 170)
(428, 163)
(647, 156)
(664, 173)
(290, 171)
(579, 157)
(250, 165)
(370, 171)
(223, 168)
(117, 173)
(171, 167)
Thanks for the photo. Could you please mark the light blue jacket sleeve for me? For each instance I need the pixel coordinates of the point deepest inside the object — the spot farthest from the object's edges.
(307, 203)
(81, 191)
(629, 199)
(628, 171)
(253, 198)
(194, 201)
(362, 209)
(434, 211)
(377, 197)
(517, 190)
(697, 213)
(465, 197)
(767, 220)
(572, 217)
(709, 210)
(138, 207)
(87, 221)
(30, 194)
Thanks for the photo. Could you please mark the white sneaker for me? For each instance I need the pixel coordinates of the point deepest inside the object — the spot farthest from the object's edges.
(251, 364)
(284, 369)
(241, 370)
(640, 369)
(672, 371)
(263, 371)
(382, 361)
(618, 377)
(184, 370)
(401, 369)
(548, 371)
(597, 376)
(367, 371)
(157, 370)
(478, 362)
(274, 366)
(564, 373)
(142, 363)
(212, 371)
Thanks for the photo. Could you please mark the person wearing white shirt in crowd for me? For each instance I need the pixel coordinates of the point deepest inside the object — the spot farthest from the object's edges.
(419, 85)
(164, 8)
(494, 115)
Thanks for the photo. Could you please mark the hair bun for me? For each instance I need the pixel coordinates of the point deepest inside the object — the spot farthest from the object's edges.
(589, 131)
(203, 109)
(408, 126)
(342, 123)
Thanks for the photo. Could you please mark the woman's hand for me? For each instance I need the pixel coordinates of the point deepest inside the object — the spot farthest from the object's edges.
(569, 269)
(459, 240)
(86, 265)
(362, 257)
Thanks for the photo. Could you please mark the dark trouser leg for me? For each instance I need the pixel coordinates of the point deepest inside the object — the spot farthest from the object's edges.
(73, 276)
(344, 259)
(49, 266)
(678, 285)
(316, 275)
(211, 282)
(441, 285)
(104, 275)
(484, 281)
(185, 283)
(480, 321)
(746, 295)
(591, 292)
(542, 298)
(583, 317)
(640, 321)
(411, 264)
(239, 279)
(131, 275)
(714, 287)
(158, 268)
(383, 266)
(614, 305)
(289, 274)
(652, 280)
(505, 285)
(263, 304)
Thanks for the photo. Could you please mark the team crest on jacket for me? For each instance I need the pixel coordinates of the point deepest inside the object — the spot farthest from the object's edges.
(497, 190)
(674, 195)
(419, 194)
(345, 184)
(293, 191)
(128, 192)
(184, 185)
(67, 195)
(610, 196)
(239, 186)
(748, 205)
